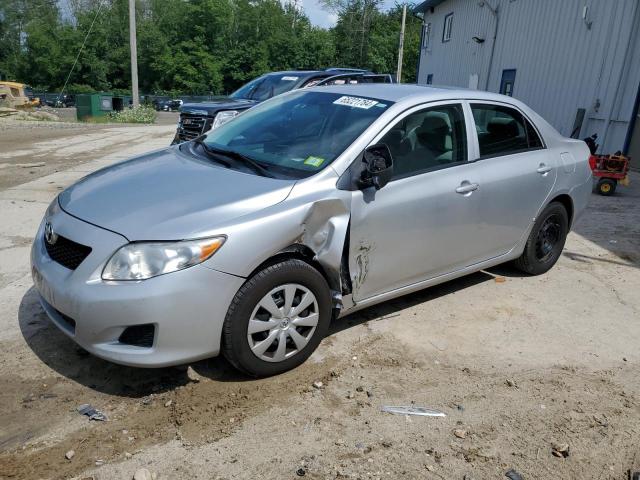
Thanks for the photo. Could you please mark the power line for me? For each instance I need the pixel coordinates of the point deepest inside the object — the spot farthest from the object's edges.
(80, 51)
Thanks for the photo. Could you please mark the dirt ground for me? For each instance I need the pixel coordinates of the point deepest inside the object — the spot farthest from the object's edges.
(32, 149)
(516, 365)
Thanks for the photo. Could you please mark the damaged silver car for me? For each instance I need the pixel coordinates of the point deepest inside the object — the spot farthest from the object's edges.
(316, 203)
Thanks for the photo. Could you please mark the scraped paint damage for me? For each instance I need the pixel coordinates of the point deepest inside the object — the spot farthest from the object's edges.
(362, 263)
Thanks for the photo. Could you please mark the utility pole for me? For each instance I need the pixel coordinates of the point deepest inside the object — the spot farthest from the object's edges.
(134, 53)
(401, 47)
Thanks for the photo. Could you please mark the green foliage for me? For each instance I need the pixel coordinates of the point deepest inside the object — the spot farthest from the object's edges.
(139, 114)
(192, 46)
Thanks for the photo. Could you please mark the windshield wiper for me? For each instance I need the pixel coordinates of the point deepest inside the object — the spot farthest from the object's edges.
(255, 166)
(210, 152)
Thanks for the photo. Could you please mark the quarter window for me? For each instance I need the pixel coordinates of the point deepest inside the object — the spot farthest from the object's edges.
(446, 32)
(427, 140)
(503, 130)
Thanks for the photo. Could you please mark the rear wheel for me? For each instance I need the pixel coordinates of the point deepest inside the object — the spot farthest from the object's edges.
(277, 319)
(546, 240)
(606, 186)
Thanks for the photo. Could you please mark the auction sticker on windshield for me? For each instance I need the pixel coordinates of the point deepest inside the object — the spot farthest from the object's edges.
(356, 102)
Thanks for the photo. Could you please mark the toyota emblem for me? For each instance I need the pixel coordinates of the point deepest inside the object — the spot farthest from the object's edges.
(49, 235)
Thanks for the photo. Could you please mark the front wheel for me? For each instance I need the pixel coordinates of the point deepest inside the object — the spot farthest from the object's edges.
(546, 240)
(277, 319)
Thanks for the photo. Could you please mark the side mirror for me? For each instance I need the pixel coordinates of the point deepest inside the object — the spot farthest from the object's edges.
(378, 166)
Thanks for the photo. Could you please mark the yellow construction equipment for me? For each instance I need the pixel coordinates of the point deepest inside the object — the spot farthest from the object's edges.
(13, 95)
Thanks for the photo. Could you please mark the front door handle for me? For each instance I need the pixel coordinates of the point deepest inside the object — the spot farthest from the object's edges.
(543, 169)
(466, 187)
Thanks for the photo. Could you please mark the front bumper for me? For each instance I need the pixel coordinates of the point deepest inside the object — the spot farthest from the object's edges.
(186, 308)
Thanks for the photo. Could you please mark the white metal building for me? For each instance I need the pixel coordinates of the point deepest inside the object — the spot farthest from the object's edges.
(576, 62)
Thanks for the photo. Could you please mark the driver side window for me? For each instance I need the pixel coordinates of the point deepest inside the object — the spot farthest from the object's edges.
(428, 140)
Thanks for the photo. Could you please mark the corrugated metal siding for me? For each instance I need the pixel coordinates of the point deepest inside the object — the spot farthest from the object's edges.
(561, 64)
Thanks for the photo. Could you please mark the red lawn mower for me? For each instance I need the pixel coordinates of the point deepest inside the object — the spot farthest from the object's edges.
(609, 169)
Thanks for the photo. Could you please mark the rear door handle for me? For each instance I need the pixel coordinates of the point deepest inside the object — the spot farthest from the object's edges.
(466, 187)
(543, 169)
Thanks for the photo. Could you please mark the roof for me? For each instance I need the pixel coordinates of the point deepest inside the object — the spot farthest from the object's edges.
(422, 7)
(394, 92)
(12, 84)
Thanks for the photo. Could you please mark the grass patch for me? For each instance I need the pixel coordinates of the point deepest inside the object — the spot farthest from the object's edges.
(139, 114)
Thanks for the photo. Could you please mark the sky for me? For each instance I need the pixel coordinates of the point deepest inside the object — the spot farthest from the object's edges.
(312, 9)
(322, 18)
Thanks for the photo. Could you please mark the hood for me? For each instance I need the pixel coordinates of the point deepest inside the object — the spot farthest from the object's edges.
(212, 107)
(169, 195)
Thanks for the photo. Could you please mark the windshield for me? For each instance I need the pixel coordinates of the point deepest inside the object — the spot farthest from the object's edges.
(298, 134)
(267, 86)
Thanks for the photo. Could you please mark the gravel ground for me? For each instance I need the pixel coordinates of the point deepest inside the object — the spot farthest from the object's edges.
(520, 365)
(32, 149)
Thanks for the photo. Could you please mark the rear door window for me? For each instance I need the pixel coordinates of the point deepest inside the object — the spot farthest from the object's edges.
(503, 130)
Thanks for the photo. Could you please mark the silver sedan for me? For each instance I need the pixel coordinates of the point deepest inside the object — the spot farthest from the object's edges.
(249, 240)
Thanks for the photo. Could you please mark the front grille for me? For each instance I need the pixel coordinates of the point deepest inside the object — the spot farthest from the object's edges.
(192, 126)
(138, 335)
(66, 252)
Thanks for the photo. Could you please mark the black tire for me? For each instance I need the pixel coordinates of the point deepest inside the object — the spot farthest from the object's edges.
(546, 240)
(607, 186)
(235, 343)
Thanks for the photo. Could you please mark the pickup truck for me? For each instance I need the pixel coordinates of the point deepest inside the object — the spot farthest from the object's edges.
(199, 118)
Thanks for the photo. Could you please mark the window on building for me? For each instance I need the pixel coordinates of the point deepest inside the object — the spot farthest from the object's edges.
(427, 140)
(430, 79)
(446, 32)
(503, 130)
(426, 35)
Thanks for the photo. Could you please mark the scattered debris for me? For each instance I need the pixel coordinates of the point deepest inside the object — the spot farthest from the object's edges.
(142, 474)
(560, 450)
(430, 468)
(127, 455)
(513, 475)
(458, 432)
(92, 413)
(6, 111)
(350, 395)
(69, 455)
(192, 375)
(31, 165)
(301, 472)
(318, 384)
(168, 403)
(411, 410)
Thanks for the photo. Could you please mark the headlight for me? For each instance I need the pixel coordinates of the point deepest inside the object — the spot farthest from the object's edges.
(223, 117)
(138, 261)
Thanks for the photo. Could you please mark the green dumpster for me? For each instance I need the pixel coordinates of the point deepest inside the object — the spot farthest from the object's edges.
(93, 105)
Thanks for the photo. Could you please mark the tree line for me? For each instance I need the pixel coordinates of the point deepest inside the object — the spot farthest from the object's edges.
(192, 46)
